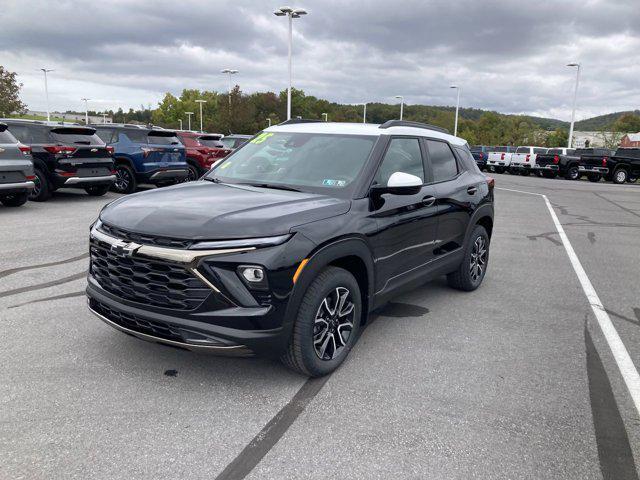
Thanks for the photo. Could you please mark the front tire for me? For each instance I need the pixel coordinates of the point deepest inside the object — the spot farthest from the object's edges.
(474, 264)
(573, 173)
(327, 325)
(125, 180)
(15, 200)
(620, 176)
(41, 190)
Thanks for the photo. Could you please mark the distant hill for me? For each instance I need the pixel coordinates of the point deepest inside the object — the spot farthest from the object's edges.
(601, 122)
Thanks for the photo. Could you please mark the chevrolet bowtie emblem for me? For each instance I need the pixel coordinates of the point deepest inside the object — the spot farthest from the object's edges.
(124, 249)
(94, 149)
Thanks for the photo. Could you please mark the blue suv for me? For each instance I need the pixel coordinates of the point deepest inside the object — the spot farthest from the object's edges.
(143, 155)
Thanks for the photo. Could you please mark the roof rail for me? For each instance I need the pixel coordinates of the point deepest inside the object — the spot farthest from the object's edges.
(407, 123)
(293, 121)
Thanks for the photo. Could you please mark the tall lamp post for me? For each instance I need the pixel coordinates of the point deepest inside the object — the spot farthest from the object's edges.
(86, 110)
(364, 113)
(229, 72)
(269, 121)
(575, 98)
(291, 13)
(180, 120)
(46, 90)
(325, 117)
(455, 127)
(201, 102)
(401, 104)
(188, 114)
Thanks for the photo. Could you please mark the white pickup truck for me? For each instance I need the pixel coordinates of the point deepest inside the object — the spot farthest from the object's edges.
(524, 160)
(499, 159)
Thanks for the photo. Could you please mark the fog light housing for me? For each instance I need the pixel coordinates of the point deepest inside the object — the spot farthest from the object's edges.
(254, 277)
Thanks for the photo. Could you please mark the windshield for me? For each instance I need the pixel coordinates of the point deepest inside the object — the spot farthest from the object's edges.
(318, 161)
(522, 150)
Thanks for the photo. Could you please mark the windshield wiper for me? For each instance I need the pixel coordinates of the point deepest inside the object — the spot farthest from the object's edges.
(272, 185)
(212, 179)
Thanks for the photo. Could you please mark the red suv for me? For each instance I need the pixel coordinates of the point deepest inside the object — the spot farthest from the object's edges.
(203, 150)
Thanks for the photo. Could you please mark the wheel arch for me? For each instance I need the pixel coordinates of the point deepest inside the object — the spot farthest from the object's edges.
(351, 254)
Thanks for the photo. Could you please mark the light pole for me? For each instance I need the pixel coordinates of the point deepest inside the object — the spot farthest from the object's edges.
(455, 128)
(189, 116)
(291, 13)
(325, 117)
(104, 118)
(401, 104)
(46, 90)
(269, 121)
(575, 97)
(201, 102)
(229, 72)
(86, 110)
(180, 120)
(364, 113)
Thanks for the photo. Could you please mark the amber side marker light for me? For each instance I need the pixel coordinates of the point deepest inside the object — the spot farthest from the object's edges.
(299, 269)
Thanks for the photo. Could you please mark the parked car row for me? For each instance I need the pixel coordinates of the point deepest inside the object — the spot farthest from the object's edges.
(619, 166)
(37, 158)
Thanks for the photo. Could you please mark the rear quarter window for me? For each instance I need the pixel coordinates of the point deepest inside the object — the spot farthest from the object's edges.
(467, 160)
(7, 137)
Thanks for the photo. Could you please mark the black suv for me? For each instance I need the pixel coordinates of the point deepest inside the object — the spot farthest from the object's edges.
(64, 155)
(288, 244)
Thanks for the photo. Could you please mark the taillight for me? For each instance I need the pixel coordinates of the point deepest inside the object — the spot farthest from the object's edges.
(502, 157)
(111, 150)
(24, 149)
(481, 155)
(31, 177)
(604, 161)
(147, 150)
(491, 182)
(556, 159)
(527, 158)
(55, 149)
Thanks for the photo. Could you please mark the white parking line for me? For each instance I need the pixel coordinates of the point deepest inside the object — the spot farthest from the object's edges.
(620, 354)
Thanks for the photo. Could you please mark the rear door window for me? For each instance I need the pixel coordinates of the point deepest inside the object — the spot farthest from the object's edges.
(443, 163)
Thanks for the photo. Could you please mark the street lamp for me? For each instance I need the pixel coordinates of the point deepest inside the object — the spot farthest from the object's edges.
(189, 116)
(46, 90)
(229, 72)
(575, 97)
(86, 110)
(180, 120)
(269, 121)
(401, 104)
(364, 113)
(325, 117)
(291, 13)
(455, 128)
(201, 102)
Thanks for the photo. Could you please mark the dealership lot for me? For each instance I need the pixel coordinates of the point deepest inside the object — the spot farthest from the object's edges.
(514, 380)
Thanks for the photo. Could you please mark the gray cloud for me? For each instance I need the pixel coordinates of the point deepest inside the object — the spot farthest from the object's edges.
(508, 56)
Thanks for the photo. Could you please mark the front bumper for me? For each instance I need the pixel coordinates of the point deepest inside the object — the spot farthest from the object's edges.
(19, 187)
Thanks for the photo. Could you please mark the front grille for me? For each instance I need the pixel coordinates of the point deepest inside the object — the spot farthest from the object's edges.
(12, 177)
(145, 239)
(151, 282)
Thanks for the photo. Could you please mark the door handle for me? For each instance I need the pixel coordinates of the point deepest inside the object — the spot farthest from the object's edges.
(428, 201)
(472, 190)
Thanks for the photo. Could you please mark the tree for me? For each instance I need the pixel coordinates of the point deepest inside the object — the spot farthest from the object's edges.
(558, 138)
(9, 93)
(627, 123)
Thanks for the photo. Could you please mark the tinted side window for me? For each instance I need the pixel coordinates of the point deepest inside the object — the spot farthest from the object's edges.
(443, 163)
(403, 155)
(105, 135)
(467, 159)
(20, 132)
(539, 150)
(137, 136)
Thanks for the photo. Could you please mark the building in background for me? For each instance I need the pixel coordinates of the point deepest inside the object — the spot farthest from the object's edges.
(591, 139)
(72, 117)
(631, 140)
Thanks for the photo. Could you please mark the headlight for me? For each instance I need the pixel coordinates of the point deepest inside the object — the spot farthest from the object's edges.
(246, 242)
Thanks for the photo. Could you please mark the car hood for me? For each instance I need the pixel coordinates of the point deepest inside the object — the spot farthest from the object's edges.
(208, 211)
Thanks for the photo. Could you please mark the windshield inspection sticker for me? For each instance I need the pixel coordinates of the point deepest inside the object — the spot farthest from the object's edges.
(327, 182)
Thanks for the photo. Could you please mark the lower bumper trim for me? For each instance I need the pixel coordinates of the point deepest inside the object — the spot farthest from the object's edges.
(90, 180)
(234, 351)
(17, 186)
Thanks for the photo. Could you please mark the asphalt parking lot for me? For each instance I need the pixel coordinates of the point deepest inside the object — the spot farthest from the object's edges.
(514, 380)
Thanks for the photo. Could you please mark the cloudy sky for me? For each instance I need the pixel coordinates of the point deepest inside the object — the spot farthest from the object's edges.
(508, 56)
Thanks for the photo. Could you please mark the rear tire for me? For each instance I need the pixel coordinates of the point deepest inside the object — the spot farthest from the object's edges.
(474, 264)
(499, 169)
(594, 177)
(620, 176)
(314, 348)
(573, 173)
(125, 179)
(15, 200)
(525, 173)
(193, 173)
(42, 190)
(97, 190)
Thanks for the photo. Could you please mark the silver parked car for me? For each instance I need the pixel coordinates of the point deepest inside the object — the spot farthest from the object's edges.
(16, 170)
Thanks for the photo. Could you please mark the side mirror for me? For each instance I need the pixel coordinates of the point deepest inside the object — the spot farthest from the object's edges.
(400, 183)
